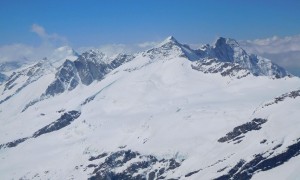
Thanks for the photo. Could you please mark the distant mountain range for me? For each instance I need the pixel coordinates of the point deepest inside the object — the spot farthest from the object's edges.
(170, 112)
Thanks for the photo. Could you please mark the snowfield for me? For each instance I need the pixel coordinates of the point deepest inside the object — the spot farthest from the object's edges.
(153, 116)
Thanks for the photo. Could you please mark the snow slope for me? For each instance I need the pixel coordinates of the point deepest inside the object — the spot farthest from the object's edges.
(164, 113)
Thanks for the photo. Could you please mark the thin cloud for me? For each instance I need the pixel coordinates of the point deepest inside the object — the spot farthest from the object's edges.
(48, 38)
(23, 52)
(39, 30)
(26, 53)
(147, 44)
(14, 52)
(110, 49)
(113, 49)
(284, 51)
(273, 45)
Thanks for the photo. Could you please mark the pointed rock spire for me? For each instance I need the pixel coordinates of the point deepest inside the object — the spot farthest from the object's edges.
(221, 41)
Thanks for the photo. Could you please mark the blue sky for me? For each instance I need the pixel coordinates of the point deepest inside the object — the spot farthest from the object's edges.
(90, 23)
(34, 28)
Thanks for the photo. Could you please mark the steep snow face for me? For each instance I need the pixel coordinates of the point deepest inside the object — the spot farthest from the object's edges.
(267, 68)
(67, 78)
(228, 50)
(24, 77)
(152, 115)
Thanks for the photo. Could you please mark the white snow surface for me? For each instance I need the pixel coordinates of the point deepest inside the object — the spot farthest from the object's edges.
(154, 105)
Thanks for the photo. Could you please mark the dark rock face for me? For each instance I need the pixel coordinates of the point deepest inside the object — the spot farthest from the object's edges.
(11, 81)
(147, 166)
(65, 120)
(89, 67)
(68, 75)
(5, 99)
(293, 94)
(56, 87)
(86, 69)
(13, 143)
(224, 68)
(191, 173)
(98, 157)
(224, 50)
(66, 79)
(121, 59)
(234, 135)
(263, 141)
(232, 171)
(93, 65)
(261, 163)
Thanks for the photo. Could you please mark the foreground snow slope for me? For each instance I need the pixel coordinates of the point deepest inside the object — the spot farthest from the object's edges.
(154, 117)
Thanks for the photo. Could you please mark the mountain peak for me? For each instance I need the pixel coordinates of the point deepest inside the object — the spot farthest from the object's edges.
(94, 51)
(221, 41)
(170, 48)
(171, 38)
(95, 55)
(168, 40)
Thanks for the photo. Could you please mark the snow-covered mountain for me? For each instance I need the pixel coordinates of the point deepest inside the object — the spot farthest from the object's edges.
(9, 66)
(170, 112)
(228, 50)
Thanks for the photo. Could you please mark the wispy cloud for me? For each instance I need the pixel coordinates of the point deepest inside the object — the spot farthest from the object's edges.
(39, 30)
(148, 44)
(112, 49)
(273, 45)
(46, 37)
(25, 52)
